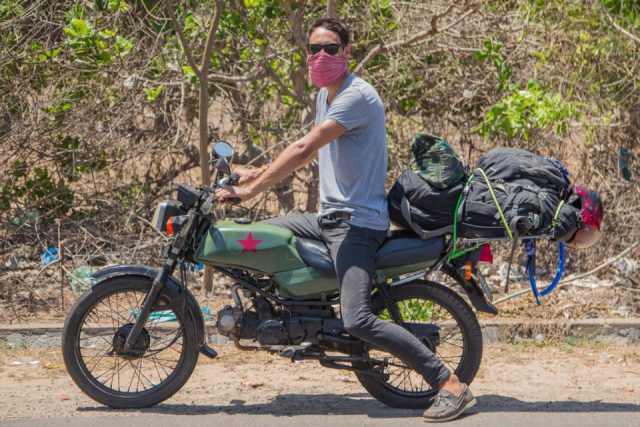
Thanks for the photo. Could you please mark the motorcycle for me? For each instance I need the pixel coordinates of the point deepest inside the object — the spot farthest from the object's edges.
(134, 338)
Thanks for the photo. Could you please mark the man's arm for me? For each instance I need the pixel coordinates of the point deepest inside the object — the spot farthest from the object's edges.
(292, 158)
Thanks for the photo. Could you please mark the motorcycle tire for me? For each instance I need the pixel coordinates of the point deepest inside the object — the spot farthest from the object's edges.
(471, 337)
(96, 345)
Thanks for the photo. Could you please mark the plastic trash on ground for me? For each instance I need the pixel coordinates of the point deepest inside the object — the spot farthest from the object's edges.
(80, 279)
(169, 316)
(49, 256)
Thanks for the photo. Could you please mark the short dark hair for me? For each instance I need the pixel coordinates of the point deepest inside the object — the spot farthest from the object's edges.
(331, 24)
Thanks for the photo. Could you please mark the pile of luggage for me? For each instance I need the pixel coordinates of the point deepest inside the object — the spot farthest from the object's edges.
(511, 193)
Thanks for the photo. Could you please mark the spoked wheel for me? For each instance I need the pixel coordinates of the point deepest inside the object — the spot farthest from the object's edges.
(456, 340)
(157, 365)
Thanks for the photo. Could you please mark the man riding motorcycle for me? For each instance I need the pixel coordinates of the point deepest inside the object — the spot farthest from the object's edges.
(350, 141)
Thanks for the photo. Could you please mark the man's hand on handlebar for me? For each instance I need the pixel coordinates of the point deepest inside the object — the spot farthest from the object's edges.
(229, 194)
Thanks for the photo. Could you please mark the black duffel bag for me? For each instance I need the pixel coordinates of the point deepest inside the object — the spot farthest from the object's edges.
(530, 191)
(426, 207)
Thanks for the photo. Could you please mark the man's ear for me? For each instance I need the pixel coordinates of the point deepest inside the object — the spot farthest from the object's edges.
(347, 50)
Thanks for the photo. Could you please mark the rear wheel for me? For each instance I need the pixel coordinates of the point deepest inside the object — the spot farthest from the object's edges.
(157, 365)
(459, 345)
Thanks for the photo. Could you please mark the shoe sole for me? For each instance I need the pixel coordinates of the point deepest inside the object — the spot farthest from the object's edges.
(471, 404)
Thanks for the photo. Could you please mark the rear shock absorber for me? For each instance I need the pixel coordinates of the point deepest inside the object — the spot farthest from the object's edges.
(391, 304)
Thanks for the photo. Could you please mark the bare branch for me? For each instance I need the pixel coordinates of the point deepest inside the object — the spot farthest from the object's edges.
(206, 56)
(618, 27)
(257, 74)
(283, 87)
(416, 37)
(204, 96)
(295, 20)
(168, 4)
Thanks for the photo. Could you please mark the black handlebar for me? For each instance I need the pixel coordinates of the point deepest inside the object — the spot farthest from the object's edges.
(232, 179)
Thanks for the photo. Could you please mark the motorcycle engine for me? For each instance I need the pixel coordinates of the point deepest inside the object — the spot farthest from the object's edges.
(262, 325)
(272, 332)
(271, 327)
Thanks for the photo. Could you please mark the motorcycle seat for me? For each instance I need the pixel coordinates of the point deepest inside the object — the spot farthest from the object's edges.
(394, 252)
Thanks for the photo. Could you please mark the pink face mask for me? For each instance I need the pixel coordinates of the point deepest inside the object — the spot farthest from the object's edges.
(325, 69)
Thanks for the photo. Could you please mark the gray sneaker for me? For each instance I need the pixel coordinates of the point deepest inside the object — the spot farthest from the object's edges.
(447, 407)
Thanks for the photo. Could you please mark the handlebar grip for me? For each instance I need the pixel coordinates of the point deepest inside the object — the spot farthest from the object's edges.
(234, 179)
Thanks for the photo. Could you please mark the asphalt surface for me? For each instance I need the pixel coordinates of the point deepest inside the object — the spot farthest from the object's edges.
(491, 410)
(542, 419)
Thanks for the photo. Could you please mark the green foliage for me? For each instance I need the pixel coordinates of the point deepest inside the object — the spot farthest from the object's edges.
(627, 11)
(412, 310)
(190, 74)
(74, 157)
(64, 101)
(10, 9)
(153, 93)
(519, 113)
(112, 5)
(31, 188)
(117, 6)
(91, 48)
(382, 11)
(491, 51)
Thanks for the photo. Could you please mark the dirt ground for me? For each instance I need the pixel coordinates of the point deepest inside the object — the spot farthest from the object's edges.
(591, 375)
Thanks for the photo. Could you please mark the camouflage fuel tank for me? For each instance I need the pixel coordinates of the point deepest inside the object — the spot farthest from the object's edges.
(254, 246)
(267, 249)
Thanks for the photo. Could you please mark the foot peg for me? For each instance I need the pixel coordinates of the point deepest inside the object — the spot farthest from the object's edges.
(208, 351)
(293, 352)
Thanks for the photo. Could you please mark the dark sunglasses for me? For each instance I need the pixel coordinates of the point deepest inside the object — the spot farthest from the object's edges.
(331, 48)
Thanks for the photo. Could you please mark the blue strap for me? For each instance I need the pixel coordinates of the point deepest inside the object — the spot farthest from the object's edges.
(565, 172)
(556, 280)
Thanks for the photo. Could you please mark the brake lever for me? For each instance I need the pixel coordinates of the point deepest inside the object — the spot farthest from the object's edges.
(232, 179)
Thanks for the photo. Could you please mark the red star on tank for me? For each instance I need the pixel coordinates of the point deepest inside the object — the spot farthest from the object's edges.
(249, 244)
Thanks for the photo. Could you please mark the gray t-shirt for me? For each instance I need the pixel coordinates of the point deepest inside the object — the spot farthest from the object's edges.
(353, 168)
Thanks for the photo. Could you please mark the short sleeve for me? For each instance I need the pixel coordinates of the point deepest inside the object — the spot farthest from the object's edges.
(349, 109)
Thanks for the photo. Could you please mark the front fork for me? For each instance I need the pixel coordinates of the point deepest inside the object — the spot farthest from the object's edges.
(161, 279)
(158, 284)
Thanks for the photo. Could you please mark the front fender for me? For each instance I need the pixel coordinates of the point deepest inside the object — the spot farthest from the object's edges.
(175, 286)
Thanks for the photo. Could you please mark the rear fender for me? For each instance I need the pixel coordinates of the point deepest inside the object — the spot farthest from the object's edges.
(145, 271)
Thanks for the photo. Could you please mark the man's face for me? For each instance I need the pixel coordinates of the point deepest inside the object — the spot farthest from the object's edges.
(323, 36)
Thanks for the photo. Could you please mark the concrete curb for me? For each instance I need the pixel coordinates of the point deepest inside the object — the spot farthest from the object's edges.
(618, 331)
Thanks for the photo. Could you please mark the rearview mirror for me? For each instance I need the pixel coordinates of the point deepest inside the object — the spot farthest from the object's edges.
(223, 149)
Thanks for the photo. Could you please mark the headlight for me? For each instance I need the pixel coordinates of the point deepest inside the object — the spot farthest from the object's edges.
(164, 211)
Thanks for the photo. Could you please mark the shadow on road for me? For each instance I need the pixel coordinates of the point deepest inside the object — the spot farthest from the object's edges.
(285, 405)
(497, 403)
(363, 404)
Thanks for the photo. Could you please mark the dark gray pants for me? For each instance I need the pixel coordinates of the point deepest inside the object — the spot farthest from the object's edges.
(353, 250)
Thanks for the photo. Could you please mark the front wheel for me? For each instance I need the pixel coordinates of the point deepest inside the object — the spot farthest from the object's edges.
(458, 344)
(157, 365)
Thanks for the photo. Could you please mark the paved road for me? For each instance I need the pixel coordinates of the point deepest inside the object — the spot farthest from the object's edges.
(517, 385)
(492, 410)
(494, 419)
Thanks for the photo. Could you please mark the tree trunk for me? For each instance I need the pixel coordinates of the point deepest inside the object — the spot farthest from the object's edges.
(203, 78)
(204, 131)
(313, 188)
(284, 193)
(332, 8)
